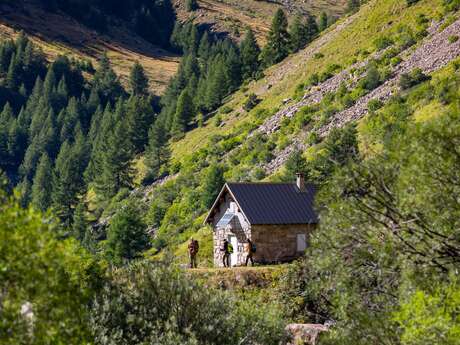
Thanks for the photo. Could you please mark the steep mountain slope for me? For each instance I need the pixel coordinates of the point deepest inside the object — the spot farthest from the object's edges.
(296, 113)
(57, 33)
(232, 16)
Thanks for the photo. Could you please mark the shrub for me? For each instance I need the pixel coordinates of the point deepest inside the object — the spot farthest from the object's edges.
(313, 79)
(409, 80)
(374, 104)
(151, 303)
(318, 56)
(411, 2)
(251, 102)
(453, 39)
(382, 42)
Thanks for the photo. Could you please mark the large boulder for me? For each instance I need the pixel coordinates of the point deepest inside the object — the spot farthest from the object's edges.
(304, 334)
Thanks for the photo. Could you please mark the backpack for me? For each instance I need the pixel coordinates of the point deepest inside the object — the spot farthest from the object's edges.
(253, 248)
(230, 248)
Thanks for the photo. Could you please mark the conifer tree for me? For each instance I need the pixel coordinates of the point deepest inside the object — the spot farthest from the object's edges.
(138, 81)
(184, 113)
(42, 185)
(250, 51)
(126, 236)
(115, 167)
(139, 115)
(157, 153)
(204, 47)
(298, 34)
(68, 182)
(277, 47)
(13, 75)
(323, 21)
(311, 28)
(80, 223)
(106, 81)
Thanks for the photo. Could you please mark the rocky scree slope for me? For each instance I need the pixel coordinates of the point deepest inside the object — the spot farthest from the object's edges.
(435, 52)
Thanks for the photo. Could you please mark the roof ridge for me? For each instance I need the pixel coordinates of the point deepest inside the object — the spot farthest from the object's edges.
(260, 182)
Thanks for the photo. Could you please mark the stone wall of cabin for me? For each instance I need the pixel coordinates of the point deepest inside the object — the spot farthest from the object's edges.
(242, 234)
(278, 243)
(275, 243)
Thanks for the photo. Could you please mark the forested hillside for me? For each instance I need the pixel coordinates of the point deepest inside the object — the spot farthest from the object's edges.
(105, 182)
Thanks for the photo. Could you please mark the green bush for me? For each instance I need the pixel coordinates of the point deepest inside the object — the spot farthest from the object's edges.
(453, 39)
(150, 303)
(50, 279)
(251, 102)
(383, 42)
(409, 80)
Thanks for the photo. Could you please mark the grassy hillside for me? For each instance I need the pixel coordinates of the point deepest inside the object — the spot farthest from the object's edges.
(230, 137)
(232, 16)
(57, 33)
(349, 41)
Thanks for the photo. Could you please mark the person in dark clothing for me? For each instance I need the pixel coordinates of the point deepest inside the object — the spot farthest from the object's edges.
(226, 250)
(193, 251)
(250, 250)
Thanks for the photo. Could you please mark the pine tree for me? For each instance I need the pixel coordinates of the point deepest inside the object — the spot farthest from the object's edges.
(13, 75)
(323, 21)
(184, 113)
(157, 153)
(139, 115)
(249, 51)
(277, 47)
(216, 83)
(115, 167)
(214, 180)
(126, 236)
(80, 223)
(68, 182)
(42, 185)
(106, 81)
(138, 81)
(204, 47)
(298, 34)
(311, 28)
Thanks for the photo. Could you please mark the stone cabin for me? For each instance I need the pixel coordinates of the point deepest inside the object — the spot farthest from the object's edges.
(277, 217)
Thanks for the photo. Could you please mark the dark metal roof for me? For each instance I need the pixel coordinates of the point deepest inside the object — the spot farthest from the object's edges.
(275, 203)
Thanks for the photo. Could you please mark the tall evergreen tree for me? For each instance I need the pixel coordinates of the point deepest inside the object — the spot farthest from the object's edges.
(157, 153)
(126, 236)
(250, 51)
(80, 223)
(42, 185)
(323, 21)
(298, 34)
(139, 117)
(184, 113)
(116, 154)
(277, 47)
(138, 81)
(68, 182)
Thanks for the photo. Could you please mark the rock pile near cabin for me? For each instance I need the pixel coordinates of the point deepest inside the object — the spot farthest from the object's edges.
(435, 52)
(307, 334)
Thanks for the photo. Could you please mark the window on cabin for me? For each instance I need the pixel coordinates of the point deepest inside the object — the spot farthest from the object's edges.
(301, 242)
